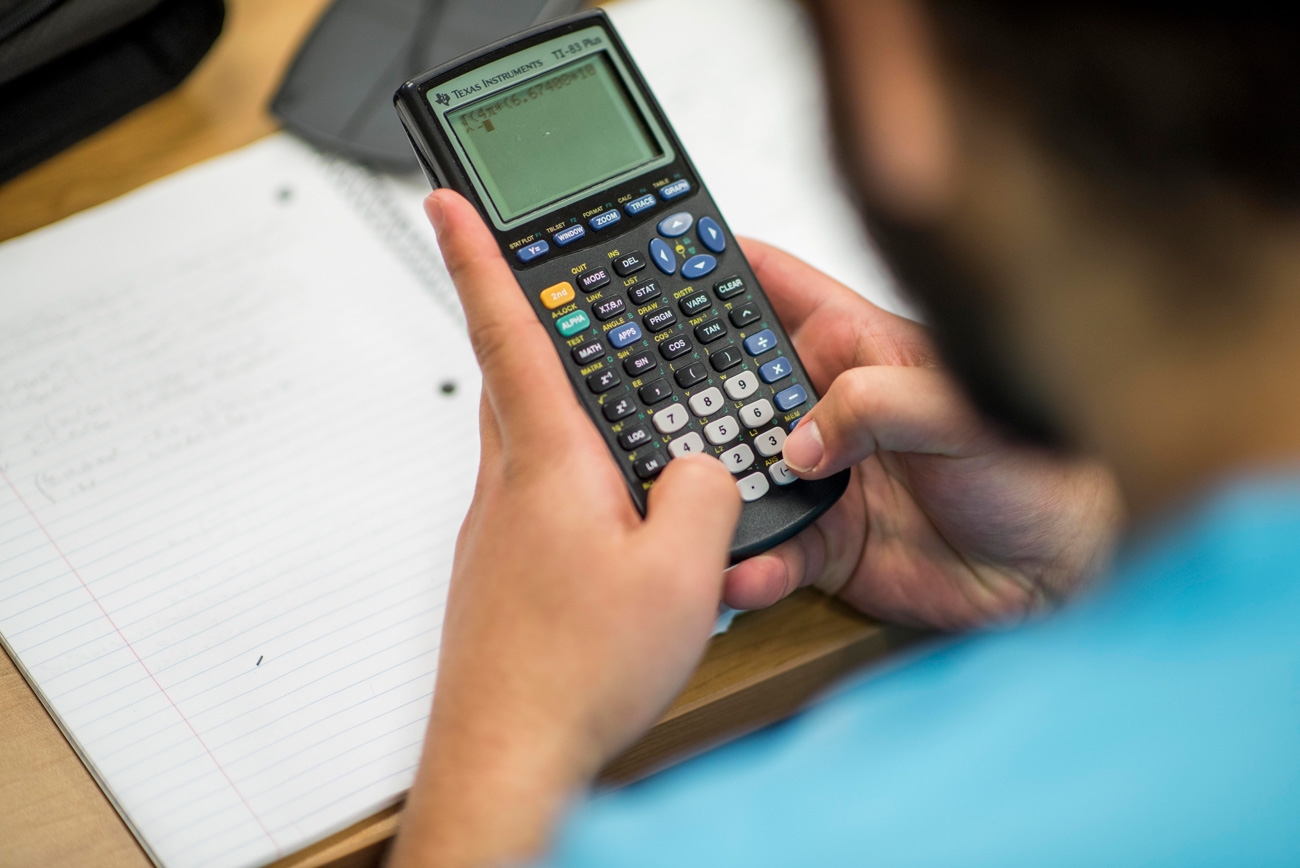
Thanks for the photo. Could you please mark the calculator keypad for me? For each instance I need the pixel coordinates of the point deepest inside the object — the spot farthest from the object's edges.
(679, 360)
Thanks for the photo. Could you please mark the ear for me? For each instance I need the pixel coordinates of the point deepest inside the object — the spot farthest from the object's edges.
(895, 88)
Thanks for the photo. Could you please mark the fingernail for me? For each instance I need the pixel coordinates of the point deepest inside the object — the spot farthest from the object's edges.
(433, 207)
(804, 447)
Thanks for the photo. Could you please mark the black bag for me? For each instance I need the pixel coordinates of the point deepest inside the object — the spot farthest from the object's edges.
(71, 67)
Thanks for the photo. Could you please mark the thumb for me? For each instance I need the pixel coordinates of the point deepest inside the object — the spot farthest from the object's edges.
(696, 499)
(882, 408)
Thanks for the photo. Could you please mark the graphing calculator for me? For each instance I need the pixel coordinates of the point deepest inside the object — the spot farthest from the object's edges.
(669, 341)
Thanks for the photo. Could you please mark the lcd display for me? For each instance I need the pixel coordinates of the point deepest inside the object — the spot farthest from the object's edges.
(553, 136)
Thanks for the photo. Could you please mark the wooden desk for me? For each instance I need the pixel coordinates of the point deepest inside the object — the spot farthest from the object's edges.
(51, 812)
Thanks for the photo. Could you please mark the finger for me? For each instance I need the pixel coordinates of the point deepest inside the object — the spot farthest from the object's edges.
(530, 392)
(489, 432)
(833, 327)
(695, 498)
(768, 578)
(887, 409)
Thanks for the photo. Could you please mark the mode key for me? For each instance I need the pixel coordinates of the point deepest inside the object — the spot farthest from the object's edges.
(593, 278)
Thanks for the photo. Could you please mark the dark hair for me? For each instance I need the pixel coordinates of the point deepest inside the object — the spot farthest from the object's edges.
(1168, 99)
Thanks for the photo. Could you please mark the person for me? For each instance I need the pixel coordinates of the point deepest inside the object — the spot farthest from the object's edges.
(1095, 204)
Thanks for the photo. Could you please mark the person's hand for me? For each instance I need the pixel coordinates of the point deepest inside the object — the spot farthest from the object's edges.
(944, 524)
(571, 621)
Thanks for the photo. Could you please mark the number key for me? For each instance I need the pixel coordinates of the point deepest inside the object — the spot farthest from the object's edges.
(708, 402)
(671, 418)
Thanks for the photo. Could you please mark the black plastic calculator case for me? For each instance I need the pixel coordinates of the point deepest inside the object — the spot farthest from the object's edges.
(668, 339)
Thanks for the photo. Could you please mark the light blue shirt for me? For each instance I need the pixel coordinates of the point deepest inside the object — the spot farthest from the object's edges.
(1155, 724)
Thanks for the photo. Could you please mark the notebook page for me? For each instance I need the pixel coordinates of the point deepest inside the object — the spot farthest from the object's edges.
(237, 439)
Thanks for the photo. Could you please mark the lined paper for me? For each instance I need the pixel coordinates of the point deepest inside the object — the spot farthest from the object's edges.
(238, 435)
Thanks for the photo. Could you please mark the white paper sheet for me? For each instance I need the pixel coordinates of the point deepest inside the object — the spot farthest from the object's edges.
(230, 483)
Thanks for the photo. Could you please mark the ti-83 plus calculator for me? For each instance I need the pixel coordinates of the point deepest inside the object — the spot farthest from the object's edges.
(668, 339)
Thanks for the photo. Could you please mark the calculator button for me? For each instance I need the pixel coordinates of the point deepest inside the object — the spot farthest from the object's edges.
(628, 263)
(777, 369)
(651, 466)
(744, 315)
(639, 364)
(676, 225)
(781, 474)
(693, 304)
(603, 381)
(588, 352)
(617, 408)
(634, 437)
(656, 391)
(708, 402)
(678, 346)
(608, 308)
(664, 258)
(640, 293)
(722, 430)
(760, 343)
(660, 319)
(572, 323)
(690, 375)
(790, 398)
(533, 251)
(570, 235)
(738, 458)
(752, 487)
(558, 295)
(624, 335)
(758, 413)
(711, 235)
(636, 206)
(730, 287)
(770, 442)
(675, 190)
(710, 330)
(671, 419)
(605, 219)
(741, 386)
(690, 443)
(725, 357)
(593, 279)
(698, 266)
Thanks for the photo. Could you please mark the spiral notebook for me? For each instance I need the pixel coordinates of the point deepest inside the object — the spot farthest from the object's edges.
(238, 433)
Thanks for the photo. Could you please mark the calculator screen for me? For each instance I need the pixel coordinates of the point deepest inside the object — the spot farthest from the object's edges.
(554, 135)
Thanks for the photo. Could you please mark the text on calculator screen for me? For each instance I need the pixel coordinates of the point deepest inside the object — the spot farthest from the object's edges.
(554, 135)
